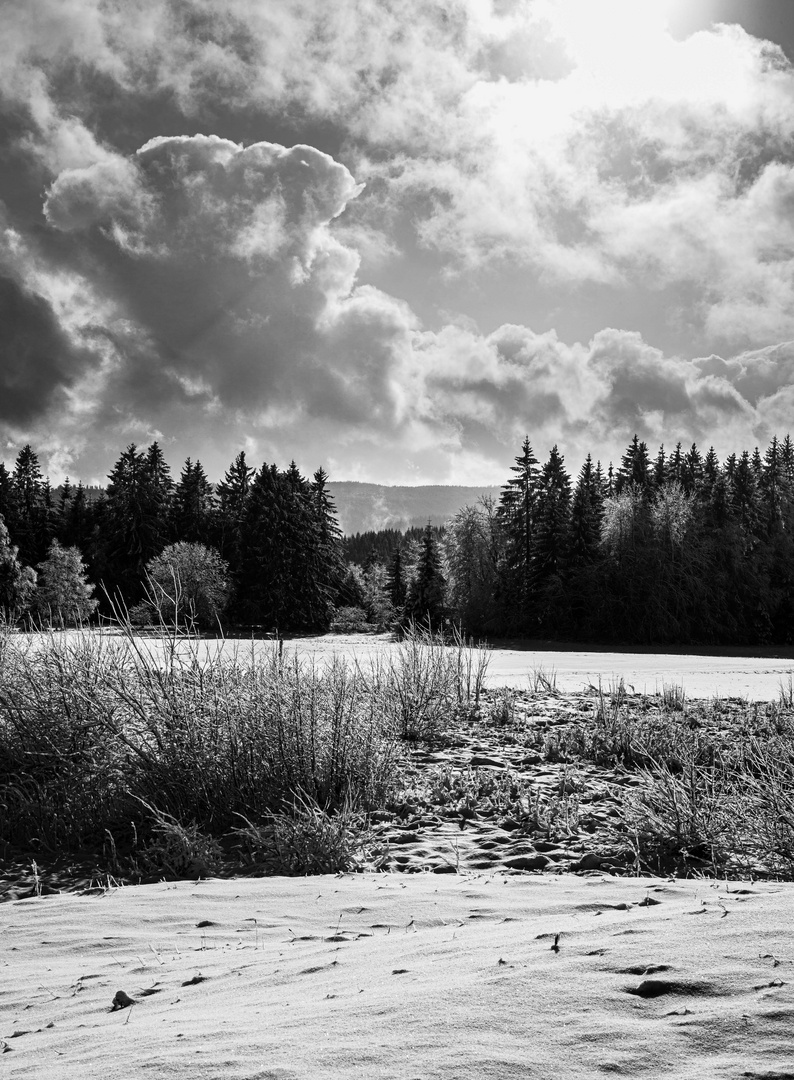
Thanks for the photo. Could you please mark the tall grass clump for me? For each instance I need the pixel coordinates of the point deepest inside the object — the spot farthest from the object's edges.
(425, 680)
(108, 734)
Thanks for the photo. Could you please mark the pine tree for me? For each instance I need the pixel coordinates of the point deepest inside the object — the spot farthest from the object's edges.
(425, 600)
(660, 469)
(691, 470)
(773, 487)
(157, 490)
(330, 564)
(64, 502)
(552, 518)
(675, 466)
(282, 575)
(192, 505)
(550, 555)
(75, 526)
(230, 510)
(587, 511)
(635, 467)
(132, 522)
(8, 500)
(516, 514)
(28, 486)
(744, 490)
(711, 469)
(787, 456)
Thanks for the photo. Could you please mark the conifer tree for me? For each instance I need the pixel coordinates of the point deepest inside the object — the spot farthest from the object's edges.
(635, 467)
(230, 510)
(711, 469)
(744, 490)
(587, 510)
(76, 524)
(552, 517)
(425, 599)
(192, 504)
(787, 456)
(675, 466)
(27, 524)
(8, 506)
(691, 470)
(133, 520)
(659, 473)
(283, 582)
(330, 564)
(773, 486)
(550, 555)
(516, 513)
(156, 496)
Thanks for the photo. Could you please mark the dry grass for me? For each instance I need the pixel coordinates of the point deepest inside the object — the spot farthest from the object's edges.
(153, 749)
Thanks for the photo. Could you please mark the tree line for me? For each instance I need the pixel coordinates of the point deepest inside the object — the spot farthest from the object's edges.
(673, 548)
(273, 533)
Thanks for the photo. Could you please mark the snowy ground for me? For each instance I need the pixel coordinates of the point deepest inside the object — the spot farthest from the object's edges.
(756, 678)
(401, 977)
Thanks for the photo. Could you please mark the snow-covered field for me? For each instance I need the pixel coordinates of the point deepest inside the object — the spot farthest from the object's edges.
(754, 678)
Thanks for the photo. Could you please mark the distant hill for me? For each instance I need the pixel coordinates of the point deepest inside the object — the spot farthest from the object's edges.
(364, 507)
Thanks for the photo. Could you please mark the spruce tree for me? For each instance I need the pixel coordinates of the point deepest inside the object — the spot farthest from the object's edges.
(587, 511)
(28, 523)
(691, 470)
(711, 470)
(659, 472)
(516, 514)
(550, 554)
(133, 521)
(192, 505)
(425, 599)
(330, 564)
(283, 583)
(635, 467)
(156, 493)
(230, 510)
(773, 486)
(675, 466)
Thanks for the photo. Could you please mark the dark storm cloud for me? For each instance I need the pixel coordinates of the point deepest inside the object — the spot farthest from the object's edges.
(37, 359)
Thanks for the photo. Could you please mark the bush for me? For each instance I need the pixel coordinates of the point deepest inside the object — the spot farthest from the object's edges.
(350, 620)
(63, 595)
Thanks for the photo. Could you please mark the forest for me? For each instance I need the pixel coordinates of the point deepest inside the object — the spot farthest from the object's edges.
(676, 548)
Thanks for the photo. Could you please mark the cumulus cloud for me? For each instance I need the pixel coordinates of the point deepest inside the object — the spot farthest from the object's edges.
(221, 290)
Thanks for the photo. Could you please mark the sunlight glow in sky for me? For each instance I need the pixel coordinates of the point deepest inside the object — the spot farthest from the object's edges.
(389, 239)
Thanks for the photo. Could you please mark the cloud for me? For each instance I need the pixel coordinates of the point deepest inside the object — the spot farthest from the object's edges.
(36, 358)
(221, 290)
(232, 292)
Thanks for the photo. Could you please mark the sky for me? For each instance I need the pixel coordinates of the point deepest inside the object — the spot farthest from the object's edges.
(393, 237)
